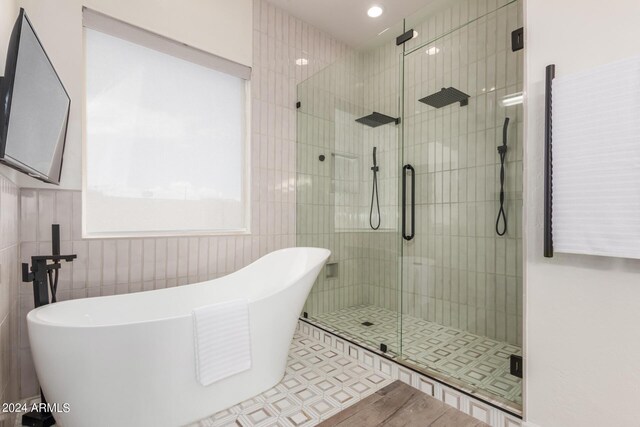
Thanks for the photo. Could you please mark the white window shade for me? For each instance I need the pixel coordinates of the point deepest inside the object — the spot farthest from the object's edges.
(165, 143)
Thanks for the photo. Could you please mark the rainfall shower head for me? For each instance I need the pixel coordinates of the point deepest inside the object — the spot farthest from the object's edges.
(376, 119)
(445, 97)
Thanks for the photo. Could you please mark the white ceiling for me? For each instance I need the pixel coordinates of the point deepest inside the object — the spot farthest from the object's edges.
(347, 20)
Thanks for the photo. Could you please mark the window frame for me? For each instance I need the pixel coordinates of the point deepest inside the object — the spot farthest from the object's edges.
(97, 21)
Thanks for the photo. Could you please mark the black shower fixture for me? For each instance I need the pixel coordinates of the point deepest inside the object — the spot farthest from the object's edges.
(502, 152)
(374, 192)
(376, 119)
(445, 97)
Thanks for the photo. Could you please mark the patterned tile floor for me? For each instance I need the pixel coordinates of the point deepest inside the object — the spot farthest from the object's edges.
(476, 361)
(318, 383)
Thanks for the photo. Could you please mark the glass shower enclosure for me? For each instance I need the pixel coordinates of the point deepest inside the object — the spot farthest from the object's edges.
(409, 169)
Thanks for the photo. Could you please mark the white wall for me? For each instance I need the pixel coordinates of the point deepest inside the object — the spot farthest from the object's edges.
(221, 27)
(582, 313)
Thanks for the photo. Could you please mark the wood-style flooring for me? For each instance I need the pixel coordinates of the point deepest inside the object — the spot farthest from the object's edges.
(399, 404)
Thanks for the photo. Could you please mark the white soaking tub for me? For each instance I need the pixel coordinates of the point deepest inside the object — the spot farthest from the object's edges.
(129, 360)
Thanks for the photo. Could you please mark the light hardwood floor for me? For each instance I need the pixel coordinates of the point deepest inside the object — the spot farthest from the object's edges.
(399, 404)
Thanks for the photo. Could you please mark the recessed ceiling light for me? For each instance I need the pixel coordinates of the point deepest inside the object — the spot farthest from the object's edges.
(374, 11)
(415, 34)
(302, 61)
(432, 50)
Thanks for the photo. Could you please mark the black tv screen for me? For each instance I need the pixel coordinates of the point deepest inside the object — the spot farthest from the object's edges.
(35, 107)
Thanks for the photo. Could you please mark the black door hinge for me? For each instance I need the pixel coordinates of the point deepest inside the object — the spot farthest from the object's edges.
(515, 365)
(298, 104)
(403, 38)
(517, 39)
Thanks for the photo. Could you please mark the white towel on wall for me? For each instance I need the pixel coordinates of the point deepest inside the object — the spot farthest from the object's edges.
(596, 160)
(222, 340)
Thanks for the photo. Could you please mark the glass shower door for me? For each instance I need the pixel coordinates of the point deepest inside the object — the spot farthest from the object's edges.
(461, 271)
(347, 154)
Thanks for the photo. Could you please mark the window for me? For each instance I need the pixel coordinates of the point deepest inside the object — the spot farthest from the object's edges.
(166, 136)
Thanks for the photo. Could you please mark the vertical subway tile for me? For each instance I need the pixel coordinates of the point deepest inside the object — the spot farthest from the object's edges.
(122, 261)
(80, 264)
(46, 211)
(94, 264)
(172, 258)
(203, 258)
(76, 213)
(28, 215)
(161, 264)
(183, 256)
(135, 261)
(193, 257)
(109, 263)
(148, 260)
(64, 213)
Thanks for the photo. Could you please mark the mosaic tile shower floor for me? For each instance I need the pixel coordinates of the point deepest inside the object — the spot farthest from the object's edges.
(477, 361)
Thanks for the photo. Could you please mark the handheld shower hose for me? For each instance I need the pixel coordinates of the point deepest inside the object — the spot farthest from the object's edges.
(374, 192)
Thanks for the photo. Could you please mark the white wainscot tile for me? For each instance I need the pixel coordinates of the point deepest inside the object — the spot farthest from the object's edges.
(424, 384)
(386, 367)
(480, 412)
(404, 375)
(451, 398)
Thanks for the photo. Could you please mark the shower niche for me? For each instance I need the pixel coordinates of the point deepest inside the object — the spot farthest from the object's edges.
(447, 302)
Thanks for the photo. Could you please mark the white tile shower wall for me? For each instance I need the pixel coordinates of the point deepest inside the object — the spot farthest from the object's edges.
(328, 191)
(117, 266)
(9, 249)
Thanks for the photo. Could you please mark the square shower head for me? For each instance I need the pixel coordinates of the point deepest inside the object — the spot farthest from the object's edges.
(376, 119)
(445, 97)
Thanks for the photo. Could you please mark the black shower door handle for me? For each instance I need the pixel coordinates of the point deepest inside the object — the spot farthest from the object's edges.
(408, 168)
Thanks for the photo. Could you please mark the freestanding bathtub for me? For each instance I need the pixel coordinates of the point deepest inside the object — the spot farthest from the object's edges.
(128, 360)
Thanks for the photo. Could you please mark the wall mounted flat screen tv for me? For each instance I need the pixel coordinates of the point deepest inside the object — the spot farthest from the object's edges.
(34, 109)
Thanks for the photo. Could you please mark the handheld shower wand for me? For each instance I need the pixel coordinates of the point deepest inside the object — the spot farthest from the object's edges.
(502, 151)
(374, 192)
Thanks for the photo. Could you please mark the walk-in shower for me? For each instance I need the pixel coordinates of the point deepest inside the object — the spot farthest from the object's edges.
(448, 300)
